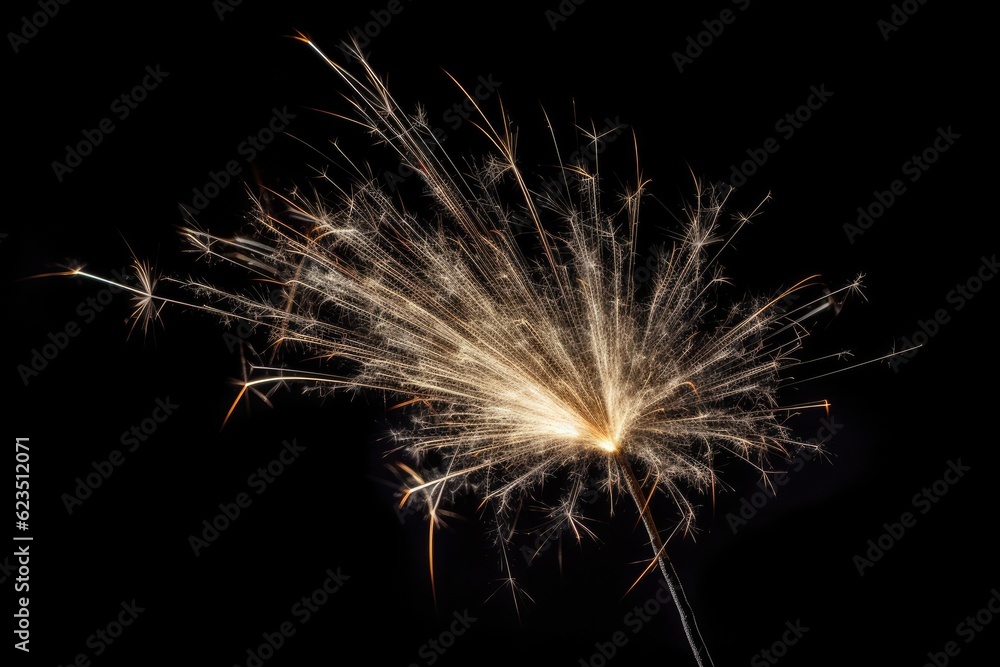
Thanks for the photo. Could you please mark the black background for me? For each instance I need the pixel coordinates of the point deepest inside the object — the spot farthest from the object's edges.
(334, 507)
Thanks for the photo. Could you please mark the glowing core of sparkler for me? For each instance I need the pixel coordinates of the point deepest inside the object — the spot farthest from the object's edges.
(607, 445)
(586, 433)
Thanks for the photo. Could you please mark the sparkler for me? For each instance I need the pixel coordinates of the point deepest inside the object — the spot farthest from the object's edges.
(517, 369)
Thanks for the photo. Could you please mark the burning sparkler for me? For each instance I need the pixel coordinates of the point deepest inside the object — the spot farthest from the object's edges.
(517, 369)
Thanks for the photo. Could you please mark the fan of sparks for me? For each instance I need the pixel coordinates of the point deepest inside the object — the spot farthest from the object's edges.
(519, 357)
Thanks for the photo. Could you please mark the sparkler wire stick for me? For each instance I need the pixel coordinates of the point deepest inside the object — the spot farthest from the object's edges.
(698, 646)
